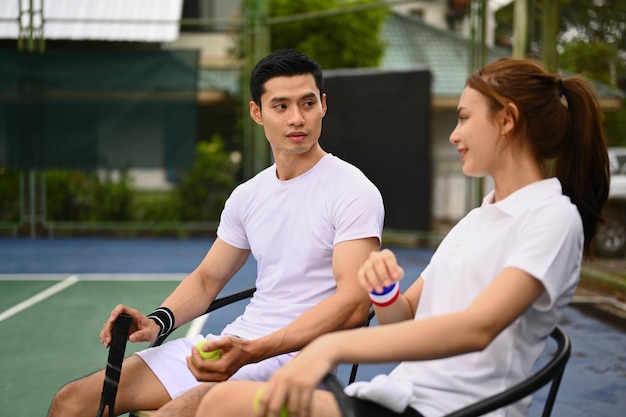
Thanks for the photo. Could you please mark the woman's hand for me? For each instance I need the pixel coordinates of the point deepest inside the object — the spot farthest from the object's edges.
(380, 270)
(294, 383)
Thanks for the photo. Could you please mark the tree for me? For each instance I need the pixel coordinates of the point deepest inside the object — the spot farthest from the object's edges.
(336, 40)
(595, 21)
(598, 21)
(336, 33)
(593, 59)
(599, 61)
(591, 41)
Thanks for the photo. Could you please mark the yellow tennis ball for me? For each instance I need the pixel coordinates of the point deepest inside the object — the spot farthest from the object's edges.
(257, 403)
(211, 355)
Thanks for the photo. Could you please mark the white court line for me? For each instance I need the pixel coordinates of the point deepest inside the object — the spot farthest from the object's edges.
(39, 297)
(155, 277)
(196, 325)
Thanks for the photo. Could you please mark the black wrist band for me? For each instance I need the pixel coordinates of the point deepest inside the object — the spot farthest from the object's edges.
(164, 317)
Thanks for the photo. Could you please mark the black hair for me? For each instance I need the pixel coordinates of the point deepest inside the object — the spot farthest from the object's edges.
(284, 62)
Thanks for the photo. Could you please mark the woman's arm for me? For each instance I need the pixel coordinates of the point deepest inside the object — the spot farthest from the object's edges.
(381, 270)
(510, 294)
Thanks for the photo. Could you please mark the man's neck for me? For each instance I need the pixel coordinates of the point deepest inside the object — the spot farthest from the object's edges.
(291, 166)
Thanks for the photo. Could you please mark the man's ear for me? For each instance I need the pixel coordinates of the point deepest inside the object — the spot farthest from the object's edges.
(324, 107)
(255, 113)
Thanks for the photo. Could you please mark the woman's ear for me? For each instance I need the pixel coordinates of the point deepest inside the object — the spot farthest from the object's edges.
(510, 116)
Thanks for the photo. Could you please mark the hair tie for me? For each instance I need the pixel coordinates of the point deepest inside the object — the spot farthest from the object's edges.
(561, 87)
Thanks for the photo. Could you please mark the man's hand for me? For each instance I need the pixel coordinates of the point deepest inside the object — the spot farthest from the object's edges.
(142, 329)
(233, 357)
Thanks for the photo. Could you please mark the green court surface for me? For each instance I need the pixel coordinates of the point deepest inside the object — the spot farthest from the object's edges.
(55, 294)
(53, 337)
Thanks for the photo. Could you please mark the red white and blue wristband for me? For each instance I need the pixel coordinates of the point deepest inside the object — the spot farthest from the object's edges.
(387, 296)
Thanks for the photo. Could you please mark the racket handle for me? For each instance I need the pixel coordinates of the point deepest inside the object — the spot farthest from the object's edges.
(119, 336)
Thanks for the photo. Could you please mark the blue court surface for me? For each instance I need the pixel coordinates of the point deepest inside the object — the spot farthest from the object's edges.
(56, 293)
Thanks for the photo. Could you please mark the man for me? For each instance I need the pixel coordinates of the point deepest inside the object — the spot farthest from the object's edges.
(310, 220)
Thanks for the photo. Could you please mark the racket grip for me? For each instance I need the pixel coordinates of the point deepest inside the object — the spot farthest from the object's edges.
(117, 348)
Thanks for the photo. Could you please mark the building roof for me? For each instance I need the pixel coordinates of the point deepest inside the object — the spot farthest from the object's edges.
(411, 42)
(108, 20)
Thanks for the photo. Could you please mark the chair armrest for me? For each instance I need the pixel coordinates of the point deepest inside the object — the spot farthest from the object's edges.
(217, 303)
(333, 385)
(551, 372)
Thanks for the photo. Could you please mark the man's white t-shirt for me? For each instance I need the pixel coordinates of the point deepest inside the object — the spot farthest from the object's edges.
(291, 228)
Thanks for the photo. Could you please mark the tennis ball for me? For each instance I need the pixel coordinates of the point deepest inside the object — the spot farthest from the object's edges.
(257, 403)
(212, 355)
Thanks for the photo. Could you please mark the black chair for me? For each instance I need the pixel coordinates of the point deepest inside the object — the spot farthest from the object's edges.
(118, 347)
(551, 372)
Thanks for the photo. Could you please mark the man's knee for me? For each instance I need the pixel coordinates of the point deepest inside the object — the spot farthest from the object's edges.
(211, 395)
(72, 400)
(186, 405)
(225, 399)
(209, 403)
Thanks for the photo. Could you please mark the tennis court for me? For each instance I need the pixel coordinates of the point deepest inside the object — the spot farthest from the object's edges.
(56, 293)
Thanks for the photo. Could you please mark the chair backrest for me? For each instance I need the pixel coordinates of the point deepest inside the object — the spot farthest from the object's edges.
(551, 372)
(355, 366)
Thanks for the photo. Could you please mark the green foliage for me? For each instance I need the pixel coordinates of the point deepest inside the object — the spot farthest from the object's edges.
(595, 21)
(615, 126)
(79, 196)
(347, 40)
(163, 206)
(206, 186)
(592, 42)
(112, 198)
(74, 196)
(600, 62)
(67, 195)
(602, 21)
(343, 40)
(595, 60)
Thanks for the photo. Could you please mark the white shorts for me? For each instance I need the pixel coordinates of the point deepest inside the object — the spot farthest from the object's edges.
(169, 365)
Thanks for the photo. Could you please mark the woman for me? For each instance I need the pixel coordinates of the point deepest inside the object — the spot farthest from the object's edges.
(478, 317)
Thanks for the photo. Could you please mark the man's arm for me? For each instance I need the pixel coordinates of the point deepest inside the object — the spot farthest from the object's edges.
(346, 308)
(190, 298)
(197, 291)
